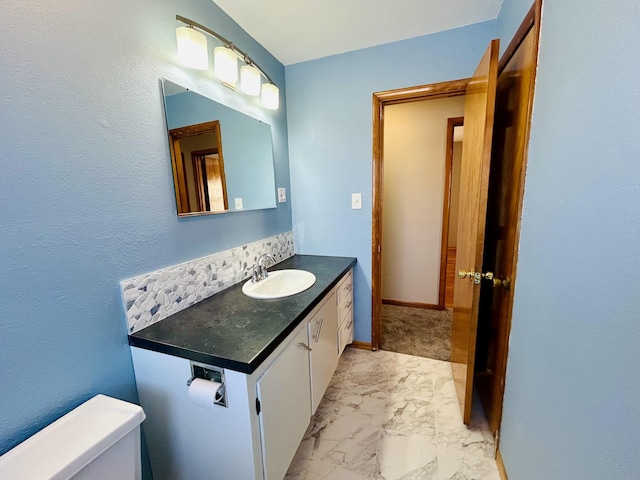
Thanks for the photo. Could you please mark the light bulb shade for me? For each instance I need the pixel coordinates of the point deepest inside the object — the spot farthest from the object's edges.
(270, 96)
(225, 64)
(192, 48)
(250, 80)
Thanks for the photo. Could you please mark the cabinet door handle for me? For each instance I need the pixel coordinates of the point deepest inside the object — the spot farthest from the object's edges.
(305, 346)
(319, 323)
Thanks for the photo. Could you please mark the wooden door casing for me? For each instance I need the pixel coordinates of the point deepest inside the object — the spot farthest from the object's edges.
(380, 100)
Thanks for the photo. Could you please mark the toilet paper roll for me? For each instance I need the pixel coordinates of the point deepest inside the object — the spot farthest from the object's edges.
(204, 392)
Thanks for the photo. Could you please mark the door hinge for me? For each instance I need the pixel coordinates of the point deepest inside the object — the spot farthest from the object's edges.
(258, 409)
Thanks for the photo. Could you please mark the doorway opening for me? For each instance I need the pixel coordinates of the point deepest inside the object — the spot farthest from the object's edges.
(419, 223)
(455, 137)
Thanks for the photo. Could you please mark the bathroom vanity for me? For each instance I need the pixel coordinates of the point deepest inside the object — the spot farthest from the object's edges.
(275, 359)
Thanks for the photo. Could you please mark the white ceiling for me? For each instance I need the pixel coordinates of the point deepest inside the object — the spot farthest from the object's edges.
(298, 30)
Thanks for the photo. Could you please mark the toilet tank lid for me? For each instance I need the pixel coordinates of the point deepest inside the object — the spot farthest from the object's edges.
(66, 446)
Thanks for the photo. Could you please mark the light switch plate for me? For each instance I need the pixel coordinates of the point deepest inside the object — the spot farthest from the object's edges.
(238, 203)
(356, 201)
(282, 195)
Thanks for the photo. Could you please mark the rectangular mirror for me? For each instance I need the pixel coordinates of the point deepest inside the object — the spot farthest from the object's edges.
(222, 159)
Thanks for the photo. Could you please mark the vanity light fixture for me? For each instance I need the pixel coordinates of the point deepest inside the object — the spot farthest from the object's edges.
(250, 80)
(192, 48)
(269, 97)
(225, 65)
(192, 43)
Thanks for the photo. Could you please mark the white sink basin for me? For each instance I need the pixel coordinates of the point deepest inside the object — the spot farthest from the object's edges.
(280, 283)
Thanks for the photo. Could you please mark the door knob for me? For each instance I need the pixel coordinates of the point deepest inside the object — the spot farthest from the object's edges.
(465, 274)
(497, 282)
(477, 277)
(502, 282)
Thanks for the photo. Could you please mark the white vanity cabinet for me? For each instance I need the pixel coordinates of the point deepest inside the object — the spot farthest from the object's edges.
(344, 294)
(255, 436)
(324, 356)
(284, 398)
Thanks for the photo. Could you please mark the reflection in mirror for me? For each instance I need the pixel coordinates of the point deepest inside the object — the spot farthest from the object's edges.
(222, 159)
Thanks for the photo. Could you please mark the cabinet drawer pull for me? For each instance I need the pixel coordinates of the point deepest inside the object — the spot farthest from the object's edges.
(305, 346)
(348, 305)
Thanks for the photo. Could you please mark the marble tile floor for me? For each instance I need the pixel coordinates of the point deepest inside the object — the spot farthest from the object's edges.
(390, 416)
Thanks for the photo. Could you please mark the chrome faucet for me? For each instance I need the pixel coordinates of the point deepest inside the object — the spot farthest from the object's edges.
(259, 269)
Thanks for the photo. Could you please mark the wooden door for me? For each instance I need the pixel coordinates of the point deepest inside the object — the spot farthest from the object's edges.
(474, 183)
(514, 101)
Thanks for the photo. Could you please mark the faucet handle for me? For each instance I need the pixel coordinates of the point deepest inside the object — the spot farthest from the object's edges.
(259, 269)
(263, 272)
(255, 275)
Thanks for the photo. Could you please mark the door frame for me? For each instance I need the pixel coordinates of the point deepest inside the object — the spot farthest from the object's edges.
(530, 22)
(380, 100)
(179, 181)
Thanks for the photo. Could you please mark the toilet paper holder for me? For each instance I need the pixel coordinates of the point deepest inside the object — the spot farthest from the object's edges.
(213, 374)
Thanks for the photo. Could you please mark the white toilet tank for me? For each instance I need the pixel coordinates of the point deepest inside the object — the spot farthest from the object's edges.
(99, 440)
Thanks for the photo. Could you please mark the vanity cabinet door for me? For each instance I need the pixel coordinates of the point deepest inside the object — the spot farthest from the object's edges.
(284, 396)
(324, 354)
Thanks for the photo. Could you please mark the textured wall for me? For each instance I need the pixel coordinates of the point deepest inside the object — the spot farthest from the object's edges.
(573, 388)
(330, 138)
(87, 193)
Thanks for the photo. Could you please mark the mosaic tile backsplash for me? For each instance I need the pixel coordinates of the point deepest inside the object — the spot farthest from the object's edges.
(151, 297)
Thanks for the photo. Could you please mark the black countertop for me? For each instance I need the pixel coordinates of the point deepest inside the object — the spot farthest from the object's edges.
(231, 330)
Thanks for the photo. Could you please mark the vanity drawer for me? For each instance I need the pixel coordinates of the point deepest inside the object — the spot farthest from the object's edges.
(345, 333)
(345, 311)
(345, 289)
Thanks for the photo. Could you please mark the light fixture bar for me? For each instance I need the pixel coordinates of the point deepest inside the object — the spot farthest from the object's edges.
(243, 56)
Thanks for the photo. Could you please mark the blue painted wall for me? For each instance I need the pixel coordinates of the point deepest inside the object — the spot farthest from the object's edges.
(87, 193)
(571, 405)
(509, 19)
(329, 114)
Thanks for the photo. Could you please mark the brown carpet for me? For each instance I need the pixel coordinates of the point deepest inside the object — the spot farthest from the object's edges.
(417, 331)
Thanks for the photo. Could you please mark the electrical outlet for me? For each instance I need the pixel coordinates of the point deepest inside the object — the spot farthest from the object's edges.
(238, 203)
(282, 195)
(356, 201)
